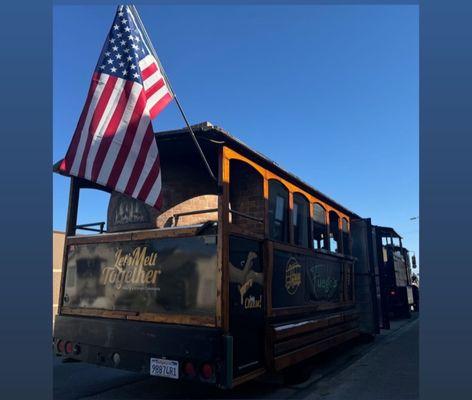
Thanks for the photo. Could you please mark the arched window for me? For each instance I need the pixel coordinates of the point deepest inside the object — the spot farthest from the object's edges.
(320, 228)
(334, 232)
(346, 241)
(246, 197)
(300, 219)
(278, 211)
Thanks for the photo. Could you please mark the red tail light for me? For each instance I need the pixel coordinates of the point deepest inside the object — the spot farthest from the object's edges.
(207, 371)
(69, 347)
(189, 370)
(60, 346)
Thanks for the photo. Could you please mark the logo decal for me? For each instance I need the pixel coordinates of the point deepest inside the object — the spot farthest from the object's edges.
(136, 268)
(324, 281)
(293, 276)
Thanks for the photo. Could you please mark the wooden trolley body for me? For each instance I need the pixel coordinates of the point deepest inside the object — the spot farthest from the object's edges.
(283, 267)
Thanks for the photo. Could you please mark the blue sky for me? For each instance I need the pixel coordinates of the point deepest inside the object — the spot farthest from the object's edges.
(328, 92)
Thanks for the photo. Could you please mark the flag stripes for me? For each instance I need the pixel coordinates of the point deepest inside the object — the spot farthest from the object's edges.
(113, 144)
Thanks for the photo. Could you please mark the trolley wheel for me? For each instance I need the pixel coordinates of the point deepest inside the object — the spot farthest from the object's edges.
(297, 374)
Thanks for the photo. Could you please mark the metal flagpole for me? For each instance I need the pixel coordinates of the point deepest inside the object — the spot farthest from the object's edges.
(151, 48)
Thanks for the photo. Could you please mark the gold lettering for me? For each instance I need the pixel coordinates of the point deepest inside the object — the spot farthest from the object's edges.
(251, 302)
(244, 288)
(128, 268)
(149, 277)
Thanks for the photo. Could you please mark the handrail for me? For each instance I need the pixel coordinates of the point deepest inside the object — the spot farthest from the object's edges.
(260, 220)
(175, 217)
(87, 227)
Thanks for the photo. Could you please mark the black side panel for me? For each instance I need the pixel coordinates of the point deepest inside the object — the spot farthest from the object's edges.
(367, 292)
(246, 322)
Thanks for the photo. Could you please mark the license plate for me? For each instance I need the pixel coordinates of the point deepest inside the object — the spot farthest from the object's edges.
(164, 368)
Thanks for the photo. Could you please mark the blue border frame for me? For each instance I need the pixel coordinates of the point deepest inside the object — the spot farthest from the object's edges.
(445, 195)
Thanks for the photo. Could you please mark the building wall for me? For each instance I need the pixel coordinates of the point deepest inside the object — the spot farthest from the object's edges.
(57, 252)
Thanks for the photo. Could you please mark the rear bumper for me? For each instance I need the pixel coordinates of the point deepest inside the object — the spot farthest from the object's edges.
(96, 340)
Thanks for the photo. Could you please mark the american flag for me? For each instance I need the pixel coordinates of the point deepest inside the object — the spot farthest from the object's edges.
(113, 144)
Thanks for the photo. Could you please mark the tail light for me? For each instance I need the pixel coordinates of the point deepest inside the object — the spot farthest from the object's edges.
(392, 292)
(69, 348)
(189, 370)
(207, 371)
(60, 346)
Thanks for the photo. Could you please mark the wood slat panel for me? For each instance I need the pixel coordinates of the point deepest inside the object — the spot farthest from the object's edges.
(283, 331)
(305, 352)
(300, 341)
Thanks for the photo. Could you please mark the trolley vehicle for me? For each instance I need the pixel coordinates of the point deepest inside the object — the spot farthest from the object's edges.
(229, 280)
(383, 275)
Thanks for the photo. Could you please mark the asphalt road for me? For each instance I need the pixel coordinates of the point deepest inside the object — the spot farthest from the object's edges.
(386, 369)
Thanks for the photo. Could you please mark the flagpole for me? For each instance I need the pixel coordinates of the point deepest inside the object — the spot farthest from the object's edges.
(192, 134)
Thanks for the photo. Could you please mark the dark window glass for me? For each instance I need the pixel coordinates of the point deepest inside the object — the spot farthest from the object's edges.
(320, 229)
(278, 211)
(346, 238)
(334, 232)
(300, 220)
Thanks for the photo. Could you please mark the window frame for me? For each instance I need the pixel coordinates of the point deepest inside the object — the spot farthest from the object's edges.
(338, 231)
(325, 240)
(346, 236)
(298, 203)
(278, 190)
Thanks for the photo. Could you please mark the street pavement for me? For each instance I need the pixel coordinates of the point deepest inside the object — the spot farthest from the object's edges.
(385, 369)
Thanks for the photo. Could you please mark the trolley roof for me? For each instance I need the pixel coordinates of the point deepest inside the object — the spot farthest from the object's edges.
(217, 135)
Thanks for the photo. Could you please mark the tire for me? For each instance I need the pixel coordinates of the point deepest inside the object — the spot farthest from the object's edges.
(297, 374)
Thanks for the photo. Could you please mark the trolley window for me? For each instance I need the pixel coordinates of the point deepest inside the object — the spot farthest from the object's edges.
(300, 220)
(334, 232)
(278, 211)
(320, 229)
(346, 239)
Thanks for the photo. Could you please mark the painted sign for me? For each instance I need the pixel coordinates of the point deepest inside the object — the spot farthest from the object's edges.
(293, 275)
(172, 275)
(126, 213)
(288, 279)
(325, 281)
(300, 280)
(246, 304)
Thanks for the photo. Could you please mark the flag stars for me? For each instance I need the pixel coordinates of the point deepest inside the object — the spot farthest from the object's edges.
(125, 47)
